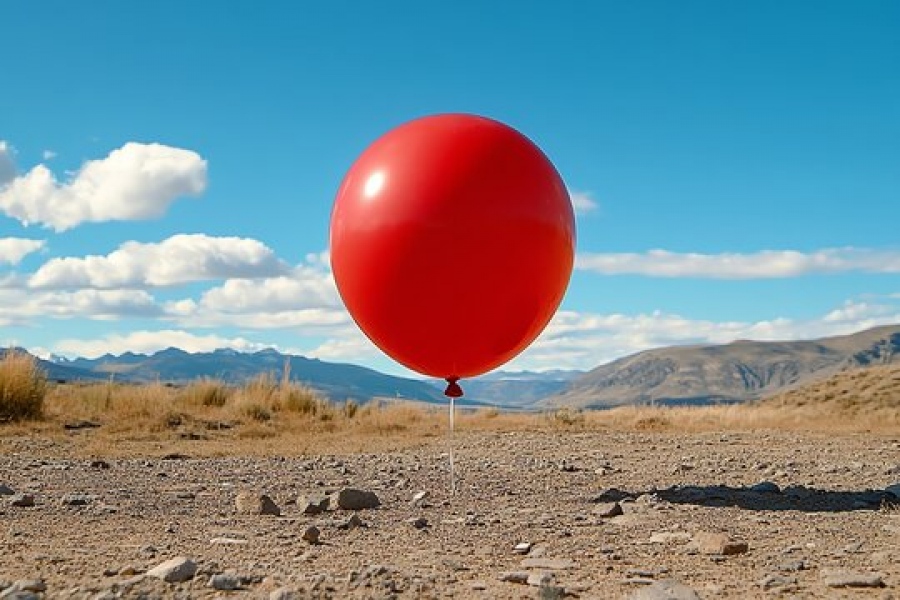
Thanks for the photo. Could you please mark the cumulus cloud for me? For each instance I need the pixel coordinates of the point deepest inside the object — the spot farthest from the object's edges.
(148, 342)
(177, 260)
(768, 264)
(135, 182)
(585, 340)
(7, 164)
(582, 202)
(13, 250)
(22, 306)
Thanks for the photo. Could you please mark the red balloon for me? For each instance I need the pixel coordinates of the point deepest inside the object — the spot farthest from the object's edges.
(452, 243)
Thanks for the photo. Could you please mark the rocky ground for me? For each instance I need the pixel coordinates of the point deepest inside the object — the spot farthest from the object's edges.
(535, 515)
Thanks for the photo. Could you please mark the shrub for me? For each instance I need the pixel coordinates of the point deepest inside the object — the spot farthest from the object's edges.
(206, 392)
(23, 386)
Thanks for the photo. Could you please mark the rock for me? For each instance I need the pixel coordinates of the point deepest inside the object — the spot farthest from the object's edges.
(792, 566)
(611, 495)
(608, 510)
(30, 585)
(76, 500)
(313, 505)
(14, 594)
(766, 487)
(224, 582)
(540, 579)
(99, 464)
(312, 534)
(227, 540)
(669, 537)
(522, 548)
(770, 582)
(418, 522)
(893, 490)
(5, 490)
(839, 578)
(479, 586)
(551, 592)
(284, 593)
(352, 523)
(22, 500)
(419, 498)
(354, 499)
(719, 544)
(253, 503)
(556, 564)
(514, 576)
(175, 570)
(667, 589)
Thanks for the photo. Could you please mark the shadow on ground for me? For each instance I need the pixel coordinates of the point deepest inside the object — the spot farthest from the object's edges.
(798, 498)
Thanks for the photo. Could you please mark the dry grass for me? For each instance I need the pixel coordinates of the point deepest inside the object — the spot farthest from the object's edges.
(23, 386)
(271, 416)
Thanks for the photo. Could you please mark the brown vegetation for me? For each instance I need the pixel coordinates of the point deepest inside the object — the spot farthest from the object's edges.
(22, 387)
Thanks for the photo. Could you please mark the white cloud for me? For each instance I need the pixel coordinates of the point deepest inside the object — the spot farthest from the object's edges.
(585, 340)
(7, 164)
(148, 342)
(13, 250)
(582, 202)
(350, 345)
(48, 155)
(22, 306)
(135, 182)
(177, 260)
(768, 264)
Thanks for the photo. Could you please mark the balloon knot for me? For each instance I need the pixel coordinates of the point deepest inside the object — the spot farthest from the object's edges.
(453, 390)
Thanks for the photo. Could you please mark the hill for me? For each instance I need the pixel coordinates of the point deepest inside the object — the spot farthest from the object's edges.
(730, 373)
(868, 388)
(337, 381)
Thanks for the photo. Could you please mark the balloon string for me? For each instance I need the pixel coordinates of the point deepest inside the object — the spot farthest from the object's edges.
(452, 470)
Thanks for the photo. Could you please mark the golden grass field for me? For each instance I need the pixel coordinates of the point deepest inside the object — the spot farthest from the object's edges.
(273, 415)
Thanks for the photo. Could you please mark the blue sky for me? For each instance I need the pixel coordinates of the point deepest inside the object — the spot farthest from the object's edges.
(167, 169)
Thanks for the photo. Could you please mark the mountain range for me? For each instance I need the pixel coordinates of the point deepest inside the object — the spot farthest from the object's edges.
(702, 374)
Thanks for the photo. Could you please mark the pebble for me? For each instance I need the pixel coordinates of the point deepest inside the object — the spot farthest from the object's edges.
(522, 548)
(76, 500)
(611, 495)
(718, 544)
(354, 499)
(540, 579)
(22, 500)
(284, 593)
(418, 522)
(419, 498)
(227, 540)
(666, 589)
(352, 523)
(312, 534)
(5, 490)
(253, 503)
(773, 581)
(668, 537)
(175, 570)
(224, 582)
(838, 578)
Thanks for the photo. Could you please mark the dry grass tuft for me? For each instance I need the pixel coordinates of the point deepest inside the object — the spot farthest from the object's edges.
(23, 387)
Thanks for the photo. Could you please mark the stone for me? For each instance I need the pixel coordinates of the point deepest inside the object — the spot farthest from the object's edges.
(522, 548)
(354, 499)
(284, 593)
(893, 490)
(770, 582)
(14, 594)
(555, 564)
(254, 503)
(540, 579)
(30, 585)
(352, 523)
(227, 541)
(669, 537)
(551, 592)
(99, 464)
(175, 570)
(224, 582)
(22, 500)
(718, 544)
(667, 589)
(611, 495)
(419, 498)
(313, 505)
(76, 500)
(608, 510)
(312, 534)
(840, 578)
(514, 576)
(418, 522)
(5, 490)
(766, 487)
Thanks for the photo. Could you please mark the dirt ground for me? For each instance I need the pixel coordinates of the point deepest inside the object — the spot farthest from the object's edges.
(826, 528)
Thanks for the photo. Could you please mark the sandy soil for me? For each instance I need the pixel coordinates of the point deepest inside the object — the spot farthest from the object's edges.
(97, 527)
